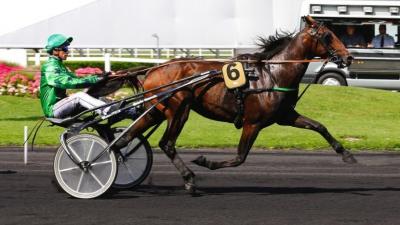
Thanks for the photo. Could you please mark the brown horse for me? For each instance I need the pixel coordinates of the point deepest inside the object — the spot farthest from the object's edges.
(213, 100)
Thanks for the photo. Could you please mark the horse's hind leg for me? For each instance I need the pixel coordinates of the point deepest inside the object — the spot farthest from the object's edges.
(296, 120)
(176, 120)
(249, 135)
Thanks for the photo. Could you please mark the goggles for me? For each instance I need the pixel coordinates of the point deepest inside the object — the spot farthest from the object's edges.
(63, 48)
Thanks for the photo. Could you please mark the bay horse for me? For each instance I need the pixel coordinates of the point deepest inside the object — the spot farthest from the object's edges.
(213, 100)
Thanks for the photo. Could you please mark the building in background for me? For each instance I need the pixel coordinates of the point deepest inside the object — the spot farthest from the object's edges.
(133, 29)
(156, 30)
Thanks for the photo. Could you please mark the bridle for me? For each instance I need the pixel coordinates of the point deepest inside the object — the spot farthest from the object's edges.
(324, 38)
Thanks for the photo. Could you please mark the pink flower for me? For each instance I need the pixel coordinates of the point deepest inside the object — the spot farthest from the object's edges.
(4, 69)
(18, 79)
(11, 90)
(15, 81)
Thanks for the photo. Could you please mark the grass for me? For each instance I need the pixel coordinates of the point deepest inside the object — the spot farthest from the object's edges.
(362, 119)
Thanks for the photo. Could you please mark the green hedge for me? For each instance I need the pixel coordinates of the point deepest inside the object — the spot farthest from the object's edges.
(9, 63)
(73, 65)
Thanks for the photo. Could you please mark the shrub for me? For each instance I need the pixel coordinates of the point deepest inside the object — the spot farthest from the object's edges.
(115, 66)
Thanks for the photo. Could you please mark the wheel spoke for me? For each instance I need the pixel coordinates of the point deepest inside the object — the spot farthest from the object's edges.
(96, 179)
(80, 181)
(90, 151)
(74, 153)
(69, 169)
(129, 171)
(99, 163)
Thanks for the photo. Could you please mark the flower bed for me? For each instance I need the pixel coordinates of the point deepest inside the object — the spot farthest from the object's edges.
(19, 81)
(15, 81)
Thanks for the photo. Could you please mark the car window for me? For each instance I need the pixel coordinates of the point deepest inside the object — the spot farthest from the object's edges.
(385, 36)
(354, 36)
(367, 35)
(366, 32)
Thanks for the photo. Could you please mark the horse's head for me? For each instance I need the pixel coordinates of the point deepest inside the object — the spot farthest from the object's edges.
(325, 43)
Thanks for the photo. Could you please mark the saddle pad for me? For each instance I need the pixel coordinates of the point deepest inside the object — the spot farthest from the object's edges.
(234, 75)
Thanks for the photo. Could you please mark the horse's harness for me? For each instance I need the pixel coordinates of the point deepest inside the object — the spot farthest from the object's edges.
(321, 37)
(325, 39)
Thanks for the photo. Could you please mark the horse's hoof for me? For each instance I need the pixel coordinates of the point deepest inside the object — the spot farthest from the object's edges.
(191, 188)
(347, 157)
(201, 161)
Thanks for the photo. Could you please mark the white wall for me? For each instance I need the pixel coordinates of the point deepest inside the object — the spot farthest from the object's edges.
(178, 23)
(18, 56)
(287, 14)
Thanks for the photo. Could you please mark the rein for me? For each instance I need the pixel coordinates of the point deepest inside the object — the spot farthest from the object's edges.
(222, 60)
(270, 61)
(314, 80)
(260, 90)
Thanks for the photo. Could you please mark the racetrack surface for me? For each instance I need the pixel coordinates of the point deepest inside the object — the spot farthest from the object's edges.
(270, 188)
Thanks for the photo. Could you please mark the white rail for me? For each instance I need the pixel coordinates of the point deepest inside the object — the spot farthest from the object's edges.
(134, 55)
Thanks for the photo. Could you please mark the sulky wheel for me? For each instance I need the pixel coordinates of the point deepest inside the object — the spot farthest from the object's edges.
(134, 162)
(87, 180)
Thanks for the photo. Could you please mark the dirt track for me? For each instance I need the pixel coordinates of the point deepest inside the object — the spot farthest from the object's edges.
(270, 188)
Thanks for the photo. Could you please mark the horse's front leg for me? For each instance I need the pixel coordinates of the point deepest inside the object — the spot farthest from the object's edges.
(296, 120)
(249, 135)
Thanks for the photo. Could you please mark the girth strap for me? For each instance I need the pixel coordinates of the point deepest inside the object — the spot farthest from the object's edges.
(240, 94)
(239, 98)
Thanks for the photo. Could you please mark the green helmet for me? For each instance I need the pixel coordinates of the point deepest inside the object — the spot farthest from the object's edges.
(57, 40)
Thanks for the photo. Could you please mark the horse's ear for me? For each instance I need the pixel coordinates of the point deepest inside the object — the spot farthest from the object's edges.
(310, 21)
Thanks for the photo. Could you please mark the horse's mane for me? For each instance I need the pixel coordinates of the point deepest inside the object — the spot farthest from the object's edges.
(270, 45)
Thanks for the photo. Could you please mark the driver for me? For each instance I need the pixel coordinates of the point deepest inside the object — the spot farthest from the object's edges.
(56, 79)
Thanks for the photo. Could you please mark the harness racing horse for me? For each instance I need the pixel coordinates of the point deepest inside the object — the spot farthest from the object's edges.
(213, 100)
